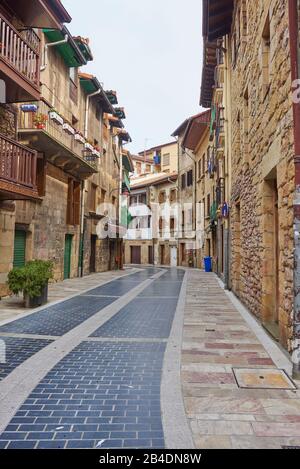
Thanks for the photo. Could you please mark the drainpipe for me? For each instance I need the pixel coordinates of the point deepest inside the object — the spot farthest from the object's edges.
(83, 189)
(294, 48)
(52, 44)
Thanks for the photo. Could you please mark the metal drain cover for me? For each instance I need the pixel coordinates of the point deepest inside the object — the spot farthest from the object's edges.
(265, 378)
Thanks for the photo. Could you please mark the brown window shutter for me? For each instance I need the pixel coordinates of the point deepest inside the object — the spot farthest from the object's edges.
(76, 203)
(70, 213)
(41, 175)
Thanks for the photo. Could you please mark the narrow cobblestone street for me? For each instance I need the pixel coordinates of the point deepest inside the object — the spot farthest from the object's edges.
(98, 370)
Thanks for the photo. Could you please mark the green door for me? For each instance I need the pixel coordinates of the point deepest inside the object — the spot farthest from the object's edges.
(19, 248)
(67, 257)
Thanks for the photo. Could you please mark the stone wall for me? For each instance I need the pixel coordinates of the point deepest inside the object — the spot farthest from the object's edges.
(46, 227)
(262, 157)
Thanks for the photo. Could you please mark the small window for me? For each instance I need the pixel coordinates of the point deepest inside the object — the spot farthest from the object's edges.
(166, 159)
(190, 178)
(266, 55)
(73, 84)
(183, 181)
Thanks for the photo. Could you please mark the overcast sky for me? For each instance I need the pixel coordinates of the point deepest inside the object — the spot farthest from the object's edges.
(150, 52)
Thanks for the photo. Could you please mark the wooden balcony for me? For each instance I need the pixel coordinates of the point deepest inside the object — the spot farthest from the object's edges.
(19, 62)
(59, 147)
(17, 171)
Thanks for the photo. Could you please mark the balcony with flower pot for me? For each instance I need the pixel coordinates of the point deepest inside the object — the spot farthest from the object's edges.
(49, 133)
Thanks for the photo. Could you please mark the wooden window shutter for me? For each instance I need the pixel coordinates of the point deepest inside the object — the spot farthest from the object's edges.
(41, 175)
(76, 202)
(70, 212)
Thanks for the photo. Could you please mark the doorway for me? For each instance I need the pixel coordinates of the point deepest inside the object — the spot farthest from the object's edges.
(173, 256)
(93, 254)
(162, 254)
(135, 254)
(67, 256)
(150, 255)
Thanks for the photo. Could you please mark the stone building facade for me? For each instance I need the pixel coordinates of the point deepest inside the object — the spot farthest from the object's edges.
(76, 133)
(255, 38)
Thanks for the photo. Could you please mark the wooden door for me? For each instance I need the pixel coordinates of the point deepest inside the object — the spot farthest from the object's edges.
(135, 254)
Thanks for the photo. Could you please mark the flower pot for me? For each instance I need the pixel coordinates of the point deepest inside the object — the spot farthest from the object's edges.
(40, 126)
(37, 300)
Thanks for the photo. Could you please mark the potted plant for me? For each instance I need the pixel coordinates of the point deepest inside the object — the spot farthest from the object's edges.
(40, 120)
(32, 280)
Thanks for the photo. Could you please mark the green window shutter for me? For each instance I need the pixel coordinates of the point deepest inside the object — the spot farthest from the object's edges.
(19, 248)
(67, 256)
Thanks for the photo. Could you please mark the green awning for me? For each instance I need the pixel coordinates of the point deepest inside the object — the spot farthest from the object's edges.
(126, 163)
(88, 85)
(69, 51)
(120, 113)
(112, 97)
(126, 180)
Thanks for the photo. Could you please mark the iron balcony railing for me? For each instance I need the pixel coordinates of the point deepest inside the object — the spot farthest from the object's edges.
(20, 50)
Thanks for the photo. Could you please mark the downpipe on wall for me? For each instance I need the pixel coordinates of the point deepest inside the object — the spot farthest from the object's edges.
(294, 6)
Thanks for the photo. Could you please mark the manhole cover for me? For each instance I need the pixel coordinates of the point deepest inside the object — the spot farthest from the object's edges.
(266, 378)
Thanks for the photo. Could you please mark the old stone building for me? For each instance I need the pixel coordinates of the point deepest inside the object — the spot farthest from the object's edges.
(152, 234)
(74, 134)
(256, 38)
(164, 157)
(20, 81)
(189, 135)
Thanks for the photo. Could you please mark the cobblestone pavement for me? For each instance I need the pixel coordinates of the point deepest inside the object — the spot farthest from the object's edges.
(216, 341)
(106, 391)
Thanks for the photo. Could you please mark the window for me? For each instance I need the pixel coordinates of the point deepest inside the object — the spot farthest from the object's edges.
(173, 195)
(203, 164)
(148, 168)
(266, 55)
(166, 159)
(73, 84)
(183, 181)
(113, 200)
(92, 197)
(162, 197)
(103, 196)
(41, 175)
(73, 203)
(190, 178)
(199, 169)
(138, 168)
(133, 200)
(208, 206)
(172, 226)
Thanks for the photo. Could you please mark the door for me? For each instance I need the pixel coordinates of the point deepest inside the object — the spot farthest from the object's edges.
(93, 254)
(67, 256)
(162, 255)
(173, 256)
(135, 254)
(19, 248)
(150, 254)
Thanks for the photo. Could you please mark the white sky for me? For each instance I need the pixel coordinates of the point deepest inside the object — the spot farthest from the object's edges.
(150, 52)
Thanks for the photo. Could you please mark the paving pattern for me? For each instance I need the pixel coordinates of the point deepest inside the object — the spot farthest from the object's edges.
(59, 319)
(101, 395)
(217, 341)
(106, 392)
(17, 350)
(142, 318)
